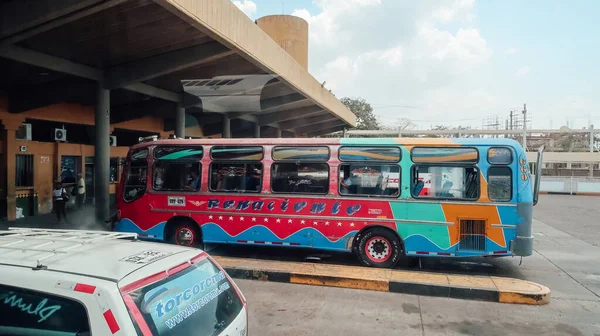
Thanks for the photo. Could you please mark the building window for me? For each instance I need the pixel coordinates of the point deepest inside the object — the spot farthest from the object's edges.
(500, 184)
(386, 154)
(500, 155)
(369, 180)
(30, 312)
(301, 178)
(301, 153)
(69, 169)
(445, 182)
(24, 170)
(444, 154)
(237, 153)
(236, 176)
(136, 178)
(177, 176)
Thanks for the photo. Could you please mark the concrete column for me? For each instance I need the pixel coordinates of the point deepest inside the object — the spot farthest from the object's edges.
(226, 126)
(10, 150)
(345, 135)
(179, 121)
(256, 130)
(278, 132)
(102, 154)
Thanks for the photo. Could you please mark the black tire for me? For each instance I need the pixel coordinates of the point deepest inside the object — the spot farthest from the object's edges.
(184, 233)
(378, 247)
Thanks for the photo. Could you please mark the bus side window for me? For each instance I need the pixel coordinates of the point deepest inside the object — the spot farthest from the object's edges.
(305, 178)
(369, 179)
(445, 182)
(236, 177)
(500, 184)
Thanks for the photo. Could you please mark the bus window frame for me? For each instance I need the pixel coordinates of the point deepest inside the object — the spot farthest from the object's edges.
(155, 160)
(512, 177)
(128, 161)
(446, 164)
(155, 191)
(388, 163)
(300, 146)
(364, 146)
(512, 156)
(326, 163)
(212, 147)
(261, 184)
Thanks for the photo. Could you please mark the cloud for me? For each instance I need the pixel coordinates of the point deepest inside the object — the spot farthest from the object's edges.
(397, 53)
(246, 6)
(511, 51)
(523, 71)
(456, 9)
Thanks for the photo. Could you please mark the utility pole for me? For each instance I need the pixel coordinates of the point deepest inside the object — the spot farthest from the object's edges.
(511, 119)
(525, 126)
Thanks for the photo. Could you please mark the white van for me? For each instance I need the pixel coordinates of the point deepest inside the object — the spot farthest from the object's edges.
(71, 282)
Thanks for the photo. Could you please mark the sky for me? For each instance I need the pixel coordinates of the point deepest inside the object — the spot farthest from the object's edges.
(455, 62)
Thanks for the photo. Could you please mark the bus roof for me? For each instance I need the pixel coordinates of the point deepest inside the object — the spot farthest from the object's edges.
(338, 141)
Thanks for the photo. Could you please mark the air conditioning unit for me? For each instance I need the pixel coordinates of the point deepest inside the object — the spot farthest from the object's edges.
(60, 134)
(24, 132)
(113, 141)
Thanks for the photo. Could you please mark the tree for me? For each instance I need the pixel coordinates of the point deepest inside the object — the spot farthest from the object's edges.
(442, 128)
(365, 118)
(399, 125)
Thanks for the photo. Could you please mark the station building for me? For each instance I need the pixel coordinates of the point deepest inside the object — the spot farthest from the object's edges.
(82, 80)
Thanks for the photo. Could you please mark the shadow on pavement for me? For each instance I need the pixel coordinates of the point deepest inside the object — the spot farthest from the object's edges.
(83, 219)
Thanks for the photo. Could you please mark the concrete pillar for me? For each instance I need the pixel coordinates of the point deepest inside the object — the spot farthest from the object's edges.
(256, 130)
(179, 121)
(10, 150)
(278, 132)
(102, 154)
(345, 135)
(226, 126)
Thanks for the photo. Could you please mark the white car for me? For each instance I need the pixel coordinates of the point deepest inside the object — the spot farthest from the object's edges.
(70, 282)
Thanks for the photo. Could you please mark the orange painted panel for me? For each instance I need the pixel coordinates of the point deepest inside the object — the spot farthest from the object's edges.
(456, 212)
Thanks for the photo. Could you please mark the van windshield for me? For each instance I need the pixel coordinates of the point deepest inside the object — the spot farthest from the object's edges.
(197, 301)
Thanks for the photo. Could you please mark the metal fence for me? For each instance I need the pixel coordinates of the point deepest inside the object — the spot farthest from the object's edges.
(570, 185)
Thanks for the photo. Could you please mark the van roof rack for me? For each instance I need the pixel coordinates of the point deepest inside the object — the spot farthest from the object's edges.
(40, 244)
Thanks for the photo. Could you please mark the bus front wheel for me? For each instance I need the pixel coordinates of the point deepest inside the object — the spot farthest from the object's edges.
(378, 247)
(184, 233)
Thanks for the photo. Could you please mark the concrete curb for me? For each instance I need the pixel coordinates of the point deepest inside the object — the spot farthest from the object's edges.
(467, 287)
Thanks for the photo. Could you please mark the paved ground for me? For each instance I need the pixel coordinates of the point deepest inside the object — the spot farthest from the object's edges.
(286, 309)
(566, 259)
(581, 218)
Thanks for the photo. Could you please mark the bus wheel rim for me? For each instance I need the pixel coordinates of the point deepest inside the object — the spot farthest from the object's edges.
(378, 249)
(185, 236)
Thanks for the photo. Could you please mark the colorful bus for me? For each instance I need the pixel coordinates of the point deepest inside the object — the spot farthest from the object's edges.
(379, 198)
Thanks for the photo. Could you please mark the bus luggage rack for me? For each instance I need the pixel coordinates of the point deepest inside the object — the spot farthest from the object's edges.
(25, 244)
(472, 235)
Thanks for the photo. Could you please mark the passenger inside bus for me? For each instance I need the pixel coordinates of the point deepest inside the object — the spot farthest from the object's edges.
(194, 182)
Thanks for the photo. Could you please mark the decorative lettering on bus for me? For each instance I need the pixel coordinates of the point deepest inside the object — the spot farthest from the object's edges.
(315, 207)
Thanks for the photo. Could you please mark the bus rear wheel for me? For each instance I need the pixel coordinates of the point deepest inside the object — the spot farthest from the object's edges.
(379, 247)
(184, 233)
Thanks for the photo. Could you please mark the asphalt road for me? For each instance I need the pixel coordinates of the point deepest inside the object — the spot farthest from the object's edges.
(566, 259)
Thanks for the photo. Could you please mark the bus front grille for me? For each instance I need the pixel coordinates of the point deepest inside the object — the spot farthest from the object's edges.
(472, 235)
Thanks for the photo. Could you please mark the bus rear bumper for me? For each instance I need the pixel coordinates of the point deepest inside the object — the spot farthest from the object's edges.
(522, 246)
